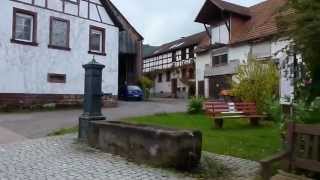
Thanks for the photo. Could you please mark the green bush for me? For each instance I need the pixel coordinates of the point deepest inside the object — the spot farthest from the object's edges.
(257, 82)
(146, 84)
(274, 110)
(308, 114)
(195, 105)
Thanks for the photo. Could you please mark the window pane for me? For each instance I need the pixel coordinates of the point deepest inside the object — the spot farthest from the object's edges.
(96, 41)
(23, 27)
(183, 54)
(59, 33)
(215, 60)
(261, 50)
(224, 59)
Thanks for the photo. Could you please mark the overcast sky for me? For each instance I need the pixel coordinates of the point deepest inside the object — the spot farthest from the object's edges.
(165, 20)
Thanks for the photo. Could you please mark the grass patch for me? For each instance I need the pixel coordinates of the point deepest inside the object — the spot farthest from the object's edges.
(237, 138)
(63, 131)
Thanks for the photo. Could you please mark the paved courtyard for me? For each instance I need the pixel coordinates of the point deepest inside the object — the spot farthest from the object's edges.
(63, 158)
(15, 127)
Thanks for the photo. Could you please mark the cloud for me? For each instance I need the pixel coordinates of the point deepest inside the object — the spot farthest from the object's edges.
(166, 20)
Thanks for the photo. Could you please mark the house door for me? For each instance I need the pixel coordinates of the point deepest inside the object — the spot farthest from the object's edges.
(211, 87)
(217, 84)
(174, 87)
(201, 88)
(192, 90)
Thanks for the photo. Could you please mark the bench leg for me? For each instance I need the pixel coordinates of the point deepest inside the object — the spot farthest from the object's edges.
(254, 121)
(266, 171)
(218, 123)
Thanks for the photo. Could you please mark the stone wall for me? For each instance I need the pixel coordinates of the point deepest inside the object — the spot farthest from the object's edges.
(13, 101)
(148, 144)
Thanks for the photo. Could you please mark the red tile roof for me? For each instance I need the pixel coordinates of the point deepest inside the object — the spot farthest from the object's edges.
(226, 6)
(261, 24)
(248, 23)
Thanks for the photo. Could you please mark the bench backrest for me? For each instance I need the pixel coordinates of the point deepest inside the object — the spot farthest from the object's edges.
(304, 146)
(247, 107)
(218, 107)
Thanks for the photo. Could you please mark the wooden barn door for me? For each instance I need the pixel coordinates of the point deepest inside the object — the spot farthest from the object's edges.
(174, 87)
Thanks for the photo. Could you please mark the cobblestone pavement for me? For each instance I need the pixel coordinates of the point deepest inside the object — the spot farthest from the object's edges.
(63, 158)
(238, 169)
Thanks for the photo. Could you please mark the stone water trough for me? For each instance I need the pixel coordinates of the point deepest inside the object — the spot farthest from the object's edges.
(161, 147)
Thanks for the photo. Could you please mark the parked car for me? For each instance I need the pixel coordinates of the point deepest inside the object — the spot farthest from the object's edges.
(131, 92)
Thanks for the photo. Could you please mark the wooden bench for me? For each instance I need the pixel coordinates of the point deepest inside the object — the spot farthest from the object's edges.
(302, 152)
(222, 110)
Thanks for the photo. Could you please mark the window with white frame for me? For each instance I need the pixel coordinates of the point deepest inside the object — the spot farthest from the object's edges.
(97, 40)
(219, 60)
(261, 50)
(59, 33)
(24, 26)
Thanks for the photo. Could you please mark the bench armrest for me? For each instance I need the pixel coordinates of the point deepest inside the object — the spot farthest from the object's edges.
(275, 158)
(266, 164)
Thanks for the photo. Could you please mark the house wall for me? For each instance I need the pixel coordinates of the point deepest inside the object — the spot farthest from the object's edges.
(202, 60)
(220, 34)
(164, 62)
(164, 88)
(25, 67)
(241, 53)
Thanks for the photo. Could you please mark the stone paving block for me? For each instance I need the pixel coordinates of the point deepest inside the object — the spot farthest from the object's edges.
(61, 158)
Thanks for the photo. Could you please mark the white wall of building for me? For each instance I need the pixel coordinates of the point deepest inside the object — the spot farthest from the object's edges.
(24, 68)
(239, 53)
(201, 62)
(162, 87)
(165, 62)
(220, 34)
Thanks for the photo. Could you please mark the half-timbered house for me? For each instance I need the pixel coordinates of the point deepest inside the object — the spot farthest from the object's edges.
(44, 43)
(237, 32)
(171, 66)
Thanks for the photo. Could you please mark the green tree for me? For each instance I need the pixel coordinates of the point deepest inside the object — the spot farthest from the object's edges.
(257, 82)
(300, 22)
(146, 84)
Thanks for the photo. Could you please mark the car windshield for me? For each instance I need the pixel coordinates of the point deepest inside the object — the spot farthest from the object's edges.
(133, 88)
